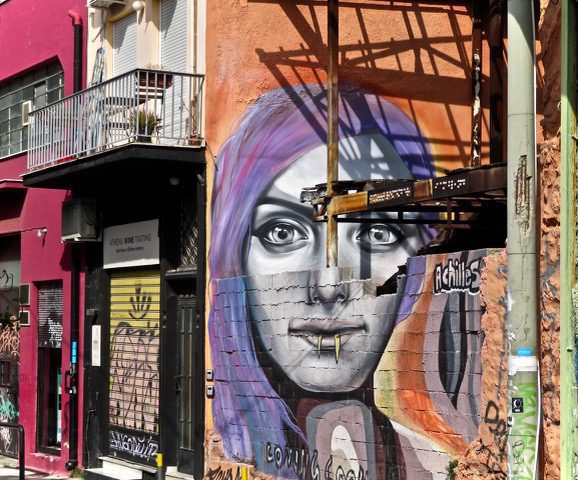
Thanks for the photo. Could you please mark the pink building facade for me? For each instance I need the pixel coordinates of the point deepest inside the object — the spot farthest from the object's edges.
(36, 265)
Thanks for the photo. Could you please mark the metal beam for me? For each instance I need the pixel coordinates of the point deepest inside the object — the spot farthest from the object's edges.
(332, 125)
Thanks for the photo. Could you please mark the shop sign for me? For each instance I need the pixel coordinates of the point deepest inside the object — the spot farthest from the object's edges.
(131, 245)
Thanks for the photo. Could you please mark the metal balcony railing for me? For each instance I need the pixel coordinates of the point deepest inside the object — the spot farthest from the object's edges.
(145, 106)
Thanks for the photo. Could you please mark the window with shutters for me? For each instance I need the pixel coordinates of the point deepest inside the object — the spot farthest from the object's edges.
(124, 45)
(49, 366)
(21, 95)
(173, 35)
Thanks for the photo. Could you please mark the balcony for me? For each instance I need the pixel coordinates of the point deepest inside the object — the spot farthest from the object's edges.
(145, 108)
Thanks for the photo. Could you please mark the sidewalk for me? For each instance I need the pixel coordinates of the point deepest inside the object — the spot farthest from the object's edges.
(9, 471)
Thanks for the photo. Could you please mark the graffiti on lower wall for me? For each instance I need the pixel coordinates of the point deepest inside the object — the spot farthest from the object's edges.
(9, 363)
(138, 447)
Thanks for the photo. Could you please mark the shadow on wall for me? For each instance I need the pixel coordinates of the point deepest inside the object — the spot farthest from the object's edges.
(425, 58)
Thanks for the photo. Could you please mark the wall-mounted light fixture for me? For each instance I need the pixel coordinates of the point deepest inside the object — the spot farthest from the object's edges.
(138, 5)
(41, 232)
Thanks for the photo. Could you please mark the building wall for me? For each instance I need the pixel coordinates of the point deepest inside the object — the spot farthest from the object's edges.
(548, 128)
(290, 389)
(419, 410)
(35, 33)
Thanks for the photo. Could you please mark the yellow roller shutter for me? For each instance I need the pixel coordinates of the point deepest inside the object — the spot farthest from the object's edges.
(134, 350)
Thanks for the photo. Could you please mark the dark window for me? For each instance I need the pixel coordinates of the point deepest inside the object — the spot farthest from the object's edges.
(22, 94)
(5, 373)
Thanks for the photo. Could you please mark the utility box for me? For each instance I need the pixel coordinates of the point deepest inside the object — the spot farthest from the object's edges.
(80, 221)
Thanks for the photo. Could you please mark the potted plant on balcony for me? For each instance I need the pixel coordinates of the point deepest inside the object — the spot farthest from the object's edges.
(145, 124)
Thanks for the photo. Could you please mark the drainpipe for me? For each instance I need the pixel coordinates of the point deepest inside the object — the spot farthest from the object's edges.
(522, 315)
(77, 23)
(75, 281)
(568, 417)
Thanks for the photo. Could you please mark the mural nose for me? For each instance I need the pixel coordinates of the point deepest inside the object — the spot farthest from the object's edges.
(327, 286)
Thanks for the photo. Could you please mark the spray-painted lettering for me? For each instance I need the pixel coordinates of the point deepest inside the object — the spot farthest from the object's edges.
(138, 447)
(457, 275)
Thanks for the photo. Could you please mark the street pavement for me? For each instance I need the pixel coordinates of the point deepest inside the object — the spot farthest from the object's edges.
(9, 471)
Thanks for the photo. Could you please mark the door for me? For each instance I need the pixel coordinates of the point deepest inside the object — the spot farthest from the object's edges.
(186, 414)
(134, 365)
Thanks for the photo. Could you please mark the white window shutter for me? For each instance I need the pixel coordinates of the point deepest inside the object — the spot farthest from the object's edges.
(174, 39)
(124, 45)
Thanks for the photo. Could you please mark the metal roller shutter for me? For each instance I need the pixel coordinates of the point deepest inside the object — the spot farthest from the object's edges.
(174, 35)
(134, 350)
(50, 315)
(124, 45)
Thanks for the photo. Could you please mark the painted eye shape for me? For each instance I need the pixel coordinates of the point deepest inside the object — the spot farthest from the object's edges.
(378, 236)
(281, 234)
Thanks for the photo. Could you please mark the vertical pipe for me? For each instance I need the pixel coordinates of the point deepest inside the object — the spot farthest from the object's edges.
(568, 397)
(75, 281)
(497, 80)
(476, 153)
(522, 314)
(332, 124)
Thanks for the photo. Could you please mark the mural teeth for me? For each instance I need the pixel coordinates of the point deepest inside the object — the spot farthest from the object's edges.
(337, 347)
(319, 342)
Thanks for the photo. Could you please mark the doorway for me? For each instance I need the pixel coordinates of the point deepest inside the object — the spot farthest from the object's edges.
(187, 319)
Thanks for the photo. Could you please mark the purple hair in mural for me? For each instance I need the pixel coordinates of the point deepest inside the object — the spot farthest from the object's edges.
(259, 229)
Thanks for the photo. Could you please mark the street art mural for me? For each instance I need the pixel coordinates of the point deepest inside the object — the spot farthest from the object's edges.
(9, 361)
(134, 377)
(317, 373)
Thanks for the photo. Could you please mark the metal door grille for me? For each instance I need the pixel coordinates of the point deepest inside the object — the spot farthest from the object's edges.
(187, 312)
(189, 233)
(50, 315)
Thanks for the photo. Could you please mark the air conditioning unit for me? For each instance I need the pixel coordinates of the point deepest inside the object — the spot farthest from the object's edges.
(80, 221)
(104, 3)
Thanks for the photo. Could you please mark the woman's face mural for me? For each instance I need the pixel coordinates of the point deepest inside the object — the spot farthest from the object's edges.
(332, 337)
(296, 345)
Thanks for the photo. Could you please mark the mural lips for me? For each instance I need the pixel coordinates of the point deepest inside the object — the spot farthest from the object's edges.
(326, 334)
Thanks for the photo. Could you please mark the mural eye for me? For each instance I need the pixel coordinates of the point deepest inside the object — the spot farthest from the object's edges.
(378, 236)
(281, 234)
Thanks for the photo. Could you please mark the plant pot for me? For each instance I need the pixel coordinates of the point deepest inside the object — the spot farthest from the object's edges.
(159, 81)
(144, 138)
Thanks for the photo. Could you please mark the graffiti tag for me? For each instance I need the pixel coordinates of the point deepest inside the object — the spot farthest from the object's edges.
(138, 447)
(9, 341)
(498, 428)
(306, 465)
(7, 410)
(523, 434)
(457, 275)
(230, 473)
(8, 413)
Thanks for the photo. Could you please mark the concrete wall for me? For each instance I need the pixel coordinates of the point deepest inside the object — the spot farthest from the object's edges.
(34, 33)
